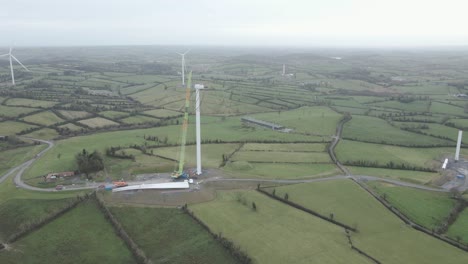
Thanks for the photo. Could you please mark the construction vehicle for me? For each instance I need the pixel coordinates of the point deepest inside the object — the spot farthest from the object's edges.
(118, 184)
(180, 173)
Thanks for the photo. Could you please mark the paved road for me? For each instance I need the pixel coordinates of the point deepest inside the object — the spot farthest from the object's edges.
(29, 162)
(92, 185)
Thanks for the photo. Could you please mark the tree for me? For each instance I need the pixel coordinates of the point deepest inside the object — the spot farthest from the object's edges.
(89, 162)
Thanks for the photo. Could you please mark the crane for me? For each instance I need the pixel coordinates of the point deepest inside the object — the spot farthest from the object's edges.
(180, 173)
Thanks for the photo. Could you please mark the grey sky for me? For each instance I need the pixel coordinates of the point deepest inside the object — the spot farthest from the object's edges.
(236, 22)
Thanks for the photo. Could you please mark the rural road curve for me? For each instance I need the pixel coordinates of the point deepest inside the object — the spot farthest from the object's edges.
(21, 168)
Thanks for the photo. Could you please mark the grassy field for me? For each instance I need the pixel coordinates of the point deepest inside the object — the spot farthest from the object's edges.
(9, 111)
(447, 109)
(211, 153)
(14, 157)
(11, 127)
(74, 114)
(71, 126)
(16, 213)
(114, 114)
(423, 157)
(275, 233)
(404, 175)
(45, 133)
(415, 106)
(312, 120)
(372, 129)
(46, 118)
(97, 122)
(30, 102)
(381, 234)
(162, 113)
(423, 207)
(300, 147)
(244, 169)
(460, 227)
(282, 157)
(83, 230)
(139, 119)
(167, 235)
(229, 130)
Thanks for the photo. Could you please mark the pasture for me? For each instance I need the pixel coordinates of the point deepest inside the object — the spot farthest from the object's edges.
(372, 129)
(156, 235)
(66, 236)
(46, 118)
(381, 234)
(423, 207)
(258, 232)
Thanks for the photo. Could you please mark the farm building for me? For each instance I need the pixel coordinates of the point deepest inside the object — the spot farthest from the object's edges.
(54, 175)
(253, 121)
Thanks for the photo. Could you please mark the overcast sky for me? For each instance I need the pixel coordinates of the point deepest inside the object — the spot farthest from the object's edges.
(237, 22)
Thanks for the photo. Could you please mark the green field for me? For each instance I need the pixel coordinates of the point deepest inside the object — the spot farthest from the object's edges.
(244, 169)
(24, 211)
(162, 113)
(404, 175)
(459, 229)
(45, 133)
(71, 127)
(415, 106)
(275, 233)
(97, 122)
(10, 127)
(300, 147)
(14, 157)
(46, 118)
(30, 102)
(167, 235)
(114, 114)
(382, 154)
(139, 119)
(372, 129)
(211, 157)
(282, 157)
(229, 130)
(380, 233)
(9, 111)
(310, 120)
(83, 230)
(74, 114)
(423, 207)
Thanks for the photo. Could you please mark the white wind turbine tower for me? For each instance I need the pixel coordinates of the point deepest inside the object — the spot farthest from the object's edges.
(11, 65)
(183, 65)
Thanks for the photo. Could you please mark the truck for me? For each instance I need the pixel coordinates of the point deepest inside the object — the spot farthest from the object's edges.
(118, 184)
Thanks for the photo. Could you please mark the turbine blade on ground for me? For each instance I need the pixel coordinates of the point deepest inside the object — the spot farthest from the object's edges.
(19, 62)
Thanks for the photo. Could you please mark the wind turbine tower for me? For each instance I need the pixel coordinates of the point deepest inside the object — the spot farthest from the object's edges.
(457, 151)
(183, 66)
(11, 65)
(284, 69)
(198, 87)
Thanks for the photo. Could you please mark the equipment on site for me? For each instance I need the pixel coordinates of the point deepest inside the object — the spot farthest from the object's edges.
(118, 184)
(180, 173)
(11, 65)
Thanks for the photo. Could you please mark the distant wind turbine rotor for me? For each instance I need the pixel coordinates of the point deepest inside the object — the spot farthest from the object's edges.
(11, 57)
(183, 65)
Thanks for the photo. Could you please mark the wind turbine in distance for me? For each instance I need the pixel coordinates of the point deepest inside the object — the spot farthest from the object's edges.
(11, 65)
(183, 65)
